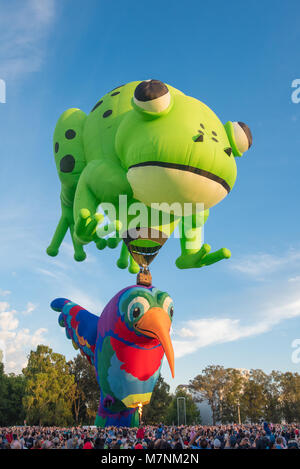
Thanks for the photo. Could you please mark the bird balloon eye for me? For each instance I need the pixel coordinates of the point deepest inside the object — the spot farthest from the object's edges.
(136, 312)
(239, 136)
(137, 307)
(152, 96)
(168, 306)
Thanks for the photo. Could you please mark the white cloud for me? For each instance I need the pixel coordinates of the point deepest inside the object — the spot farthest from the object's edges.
(43, 10)
(7, 321)
(4, 292)
(262, 264)
(73, 292)
(203, 332)
(15, 341)
(295, 279)
(46, 272)
(23, 28)
(30, 307)
(3, 306)
(83, 299)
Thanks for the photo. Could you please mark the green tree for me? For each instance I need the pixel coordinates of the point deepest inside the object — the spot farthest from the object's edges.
(11, 393)
(157, 410)
(273, 410)
(230, 396)
(15, 387)
(289, 386)
(210, 386)
(50, 388)
(3, 394)
(192, 411)
(86, 398)
(254, 398)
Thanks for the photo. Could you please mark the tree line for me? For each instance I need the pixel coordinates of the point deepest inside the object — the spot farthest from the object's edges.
(54, 391)
(248, 395)
(49, 391)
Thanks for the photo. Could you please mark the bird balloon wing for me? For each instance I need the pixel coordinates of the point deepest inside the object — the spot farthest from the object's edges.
(80, 326)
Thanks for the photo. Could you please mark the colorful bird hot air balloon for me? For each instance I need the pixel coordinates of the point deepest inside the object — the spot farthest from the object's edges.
(126, 345)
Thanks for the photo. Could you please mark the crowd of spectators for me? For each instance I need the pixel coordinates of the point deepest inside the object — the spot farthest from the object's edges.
(160, 437)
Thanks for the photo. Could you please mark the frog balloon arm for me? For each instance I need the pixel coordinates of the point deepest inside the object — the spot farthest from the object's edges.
(202, 257)
(194, 254)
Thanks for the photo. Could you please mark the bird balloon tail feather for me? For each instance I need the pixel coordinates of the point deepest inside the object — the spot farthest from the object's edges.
(80, 326)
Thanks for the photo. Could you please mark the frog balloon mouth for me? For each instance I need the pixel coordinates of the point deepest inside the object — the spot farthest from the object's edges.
(184, 167)
(158, 182)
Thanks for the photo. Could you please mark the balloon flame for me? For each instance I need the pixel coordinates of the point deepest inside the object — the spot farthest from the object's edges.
(140, 410)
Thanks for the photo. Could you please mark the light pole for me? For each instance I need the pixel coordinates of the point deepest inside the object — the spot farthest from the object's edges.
(181, 399)
(239, 412)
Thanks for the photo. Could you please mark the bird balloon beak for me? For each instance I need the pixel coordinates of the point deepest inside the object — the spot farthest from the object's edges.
(156, 323)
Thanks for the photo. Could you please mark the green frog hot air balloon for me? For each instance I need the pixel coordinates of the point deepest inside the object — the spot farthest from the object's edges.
(146, 142)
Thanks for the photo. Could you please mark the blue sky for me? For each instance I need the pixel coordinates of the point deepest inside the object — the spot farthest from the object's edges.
(241, 61)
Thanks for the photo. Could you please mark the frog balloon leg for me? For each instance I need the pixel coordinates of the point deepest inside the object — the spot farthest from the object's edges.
(150, 142)
(70, 161)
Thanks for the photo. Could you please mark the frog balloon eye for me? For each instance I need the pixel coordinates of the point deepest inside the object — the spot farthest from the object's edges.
(152, 96)
(240, 137)
(243, 136)
(137, 307)
(168, 306)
